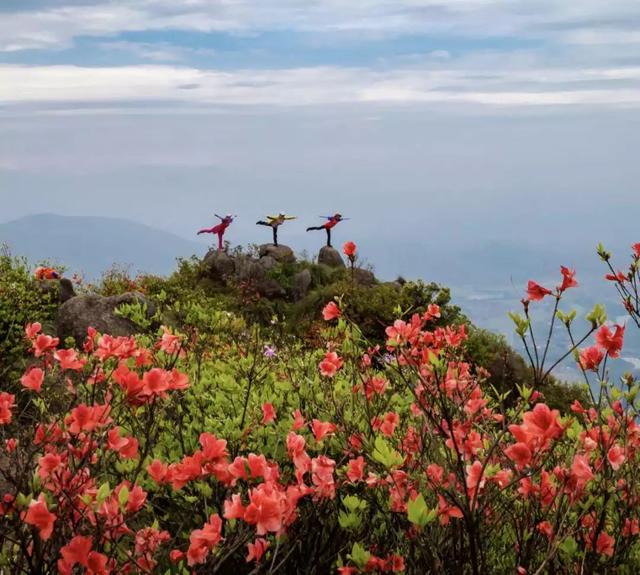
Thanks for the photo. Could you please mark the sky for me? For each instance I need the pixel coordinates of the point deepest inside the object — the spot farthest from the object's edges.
(448, 130)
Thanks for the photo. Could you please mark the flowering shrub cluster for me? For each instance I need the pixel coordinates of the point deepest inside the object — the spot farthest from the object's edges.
(227, 452)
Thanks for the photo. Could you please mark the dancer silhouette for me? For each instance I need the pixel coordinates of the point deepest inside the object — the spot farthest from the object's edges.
(219, 229)
(274, 222)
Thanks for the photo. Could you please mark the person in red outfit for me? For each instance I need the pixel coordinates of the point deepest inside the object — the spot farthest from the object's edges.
(219, 229)
(46, 273)
(332, 221)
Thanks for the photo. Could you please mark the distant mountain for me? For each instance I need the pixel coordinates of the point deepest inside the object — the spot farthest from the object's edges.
(91, 245)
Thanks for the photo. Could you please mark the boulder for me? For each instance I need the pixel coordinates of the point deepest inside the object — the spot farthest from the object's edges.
(364, 277)
(218, 265)
(301, 284)
(329, 256)
(60, 290)
(267, 263)
(84, 311)
(280, 253)
(270, 288)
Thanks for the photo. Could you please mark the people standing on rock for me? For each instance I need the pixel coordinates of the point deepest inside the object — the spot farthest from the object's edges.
(46, 273)
(274, 222)
(332, 221)
(219, 229)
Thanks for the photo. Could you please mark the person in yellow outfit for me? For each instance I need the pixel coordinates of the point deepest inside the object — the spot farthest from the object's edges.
(274, 222)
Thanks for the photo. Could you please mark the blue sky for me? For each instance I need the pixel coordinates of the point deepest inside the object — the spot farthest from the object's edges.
(478, 120)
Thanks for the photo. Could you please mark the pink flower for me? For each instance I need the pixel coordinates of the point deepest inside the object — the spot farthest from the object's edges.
(355, 469)
(298, 420)
(265, 509)
(233, 509)
(169, 343)
(636, 249)
(202, 541)
(268, 413)
(32, 330)
(616, 457)
(75, 552)
(331, 311)
(605, 544)
(68, 359)
(389, 423)
(33, 379)
(44, 343)
(520, 454)
(157, 471)
(256, 549)
(568, 278)
(581, 471)
(609, 341)
(590, 358)
(349, 249)
(40, 517)
(7, 403)
(535, 292)
(321, 429)
(330, 365)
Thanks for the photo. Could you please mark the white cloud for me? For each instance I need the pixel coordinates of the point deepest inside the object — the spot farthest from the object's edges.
(57, 27)
(319, 85)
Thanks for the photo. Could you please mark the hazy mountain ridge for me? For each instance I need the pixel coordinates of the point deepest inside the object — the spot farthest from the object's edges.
(92, 244)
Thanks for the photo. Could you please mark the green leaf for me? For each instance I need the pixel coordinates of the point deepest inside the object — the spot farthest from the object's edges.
(568, 547)
(418, 512)
(359, 555)
(597, 316)
(123, 496)
(385, 454)
(103, 492)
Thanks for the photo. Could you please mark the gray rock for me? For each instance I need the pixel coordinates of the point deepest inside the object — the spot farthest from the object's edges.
(248, 269)
(218, 266)
(280, 253)
(301, 284)
(364, 277)
(60, 290)
(270, 288)
(84, 311)
(329, 256)
(268, 263)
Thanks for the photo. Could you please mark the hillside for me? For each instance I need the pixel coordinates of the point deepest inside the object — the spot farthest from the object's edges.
(92, 245)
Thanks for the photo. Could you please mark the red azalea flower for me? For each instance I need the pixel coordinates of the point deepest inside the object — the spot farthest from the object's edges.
(349, 249)
(256, 549)
(609, 341)
(39, 516)
(330, 365)
(268, 413)
(331, 311)
(33, 379)
(590, 358)
(568, 278)
(535, 292)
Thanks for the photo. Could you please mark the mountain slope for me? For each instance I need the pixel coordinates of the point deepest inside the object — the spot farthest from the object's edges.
(91, 245)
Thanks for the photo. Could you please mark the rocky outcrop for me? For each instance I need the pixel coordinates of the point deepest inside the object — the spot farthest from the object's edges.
(84, 311)
(301, 284)
(329, 256)
(225, 270)
(364, 277)
(282, 254)
(60, 290)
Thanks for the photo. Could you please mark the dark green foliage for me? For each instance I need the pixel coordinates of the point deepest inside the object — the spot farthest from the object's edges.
(21, 302)
(509, 370)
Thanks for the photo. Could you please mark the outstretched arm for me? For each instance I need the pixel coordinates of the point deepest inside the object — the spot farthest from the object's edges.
(219, 217)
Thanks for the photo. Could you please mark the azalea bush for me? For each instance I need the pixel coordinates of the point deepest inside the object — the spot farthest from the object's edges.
(228, 447)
